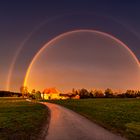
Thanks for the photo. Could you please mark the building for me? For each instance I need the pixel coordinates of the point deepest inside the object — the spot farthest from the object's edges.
(50, 94)
(54, 94)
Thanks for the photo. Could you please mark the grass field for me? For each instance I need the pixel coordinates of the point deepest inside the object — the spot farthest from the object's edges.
(21, 120)
(118, 115)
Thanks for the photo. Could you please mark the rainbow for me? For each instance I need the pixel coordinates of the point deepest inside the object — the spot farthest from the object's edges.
(76, 31)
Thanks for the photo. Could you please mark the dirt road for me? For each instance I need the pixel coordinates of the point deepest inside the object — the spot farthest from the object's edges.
(68, 125)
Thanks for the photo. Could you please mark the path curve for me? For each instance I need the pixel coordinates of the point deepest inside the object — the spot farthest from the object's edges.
(68, 125)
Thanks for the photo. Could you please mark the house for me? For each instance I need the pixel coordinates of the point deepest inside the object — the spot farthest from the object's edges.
(50, 94)
(54, 94)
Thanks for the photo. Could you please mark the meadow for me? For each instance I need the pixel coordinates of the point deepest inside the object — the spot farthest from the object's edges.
(21, 120)
(121, 116)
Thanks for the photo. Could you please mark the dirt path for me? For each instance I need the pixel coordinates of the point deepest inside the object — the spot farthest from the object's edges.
(68, 125)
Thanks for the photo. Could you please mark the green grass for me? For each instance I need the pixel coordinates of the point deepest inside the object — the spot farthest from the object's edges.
(21, 120)
(118, 115)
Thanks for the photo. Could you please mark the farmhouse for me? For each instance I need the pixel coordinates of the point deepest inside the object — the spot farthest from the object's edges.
(54, 94)
(50, 93)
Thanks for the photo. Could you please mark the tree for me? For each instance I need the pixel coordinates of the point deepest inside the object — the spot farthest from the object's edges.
(83, 93)
(138, 94)
(108, 93)
(33, 91)
(91, 93)
(38, 95)
(74, 91)
(98, 93)
(130, 94)
(24, 90)
(32, 94)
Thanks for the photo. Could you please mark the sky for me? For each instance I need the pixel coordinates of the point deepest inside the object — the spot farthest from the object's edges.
(84, 59)
(27, 25)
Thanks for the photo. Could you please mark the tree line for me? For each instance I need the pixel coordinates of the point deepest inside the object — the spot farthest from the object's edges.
(34, 94)
(107, 93)
(83, 93)
(9, 94)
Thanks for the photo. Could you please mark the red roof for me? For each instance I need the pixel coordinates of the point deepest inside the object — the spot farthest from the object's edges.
(50, 91)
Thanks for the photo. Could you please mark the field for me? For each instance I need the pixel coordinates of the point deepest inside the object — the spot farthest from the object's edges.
(21, 120)
(118, 115)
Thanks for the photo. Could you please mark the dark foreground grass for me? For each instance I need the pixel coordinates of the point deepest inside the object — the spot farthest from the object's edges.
(118, 115)
(21, 120)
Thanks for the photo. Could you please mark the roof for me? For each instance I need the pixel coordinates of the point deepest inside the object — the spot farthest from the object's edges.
(50, 91)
